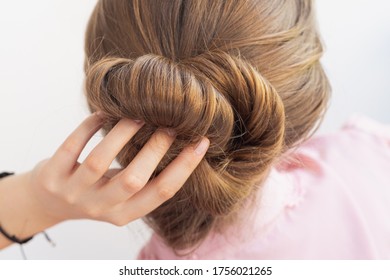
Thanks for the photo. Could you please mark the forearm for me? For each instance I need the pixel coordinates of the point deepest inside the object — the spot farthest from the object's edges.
(20, 214)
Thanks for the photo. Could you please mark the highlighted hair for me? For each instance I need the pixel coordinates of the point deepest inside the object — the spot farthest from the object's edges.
(245, 74)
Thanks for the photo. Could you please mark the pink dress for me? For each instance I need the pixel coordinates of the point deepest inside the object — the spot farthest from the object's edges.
(332, 201)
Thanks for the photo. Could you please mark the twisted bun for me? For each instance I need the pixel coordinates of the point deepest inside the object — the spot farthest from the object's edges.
(213, 94)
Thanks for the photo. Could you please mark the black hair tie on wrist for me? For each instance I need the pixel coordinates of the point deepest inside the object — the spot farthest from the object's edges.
(12, 238)
(4, 174)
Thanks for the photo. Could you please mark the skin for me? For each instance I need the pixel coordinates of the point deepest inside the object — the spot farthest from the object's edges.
(59, 188)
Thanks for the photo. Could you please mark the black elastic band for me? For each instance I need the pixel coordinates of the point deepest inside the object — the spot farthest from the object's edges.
(12, 238)
(4, 174)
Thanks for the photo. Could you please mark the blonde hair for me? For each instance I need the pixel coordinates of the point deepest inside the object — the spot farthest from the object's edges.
(245, 74)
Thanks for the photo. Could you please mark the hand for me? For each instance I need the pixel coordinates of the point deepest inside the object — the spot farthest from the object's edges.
(65, 189)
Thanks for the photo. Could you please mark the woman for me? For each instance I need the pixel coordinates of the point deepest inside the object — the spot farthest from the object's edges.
(247, 76)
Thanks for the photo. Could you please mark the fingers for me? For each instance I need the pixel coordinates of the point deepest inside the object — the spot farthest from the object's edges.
(67, 154)
(100, 158)
(137, 173)
(94, 191)
(164, 186)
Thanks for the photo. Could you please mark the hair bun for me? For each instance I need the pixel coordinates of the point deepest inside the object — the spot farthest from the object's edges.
(161, 92)
(213, 94)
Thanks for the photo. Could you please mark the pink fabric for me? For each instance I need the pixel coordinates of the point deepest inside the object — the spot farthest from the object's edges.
(330, 200)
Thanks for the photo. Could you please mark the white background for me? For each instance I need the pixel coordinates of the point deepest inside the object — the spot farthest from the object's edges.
(41, 99)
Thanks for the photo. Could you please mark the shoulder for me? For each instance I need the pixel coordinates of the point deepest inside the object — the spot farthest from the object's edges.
(361, 142)
(359, 133)
(343, 184)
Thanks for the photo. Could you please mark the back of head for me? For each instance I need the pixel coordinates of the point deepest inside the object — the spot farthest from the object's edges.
(245, 74)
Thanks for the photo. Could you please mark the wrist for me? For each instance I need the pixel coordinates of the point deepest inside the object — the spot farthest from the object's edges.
(21, 214)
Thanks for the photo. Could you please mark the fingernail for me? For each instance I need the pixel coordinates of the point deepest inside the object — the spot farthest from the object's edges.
(202, 147)
(171, 132)
(138, 121)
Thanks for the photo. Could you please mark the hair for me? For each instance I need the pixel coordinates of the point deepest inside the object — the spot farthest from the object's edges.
(245, 74)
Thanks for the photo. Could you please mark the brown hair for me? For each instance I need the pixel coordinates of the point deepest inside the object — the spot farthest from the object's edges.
(245, 74)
